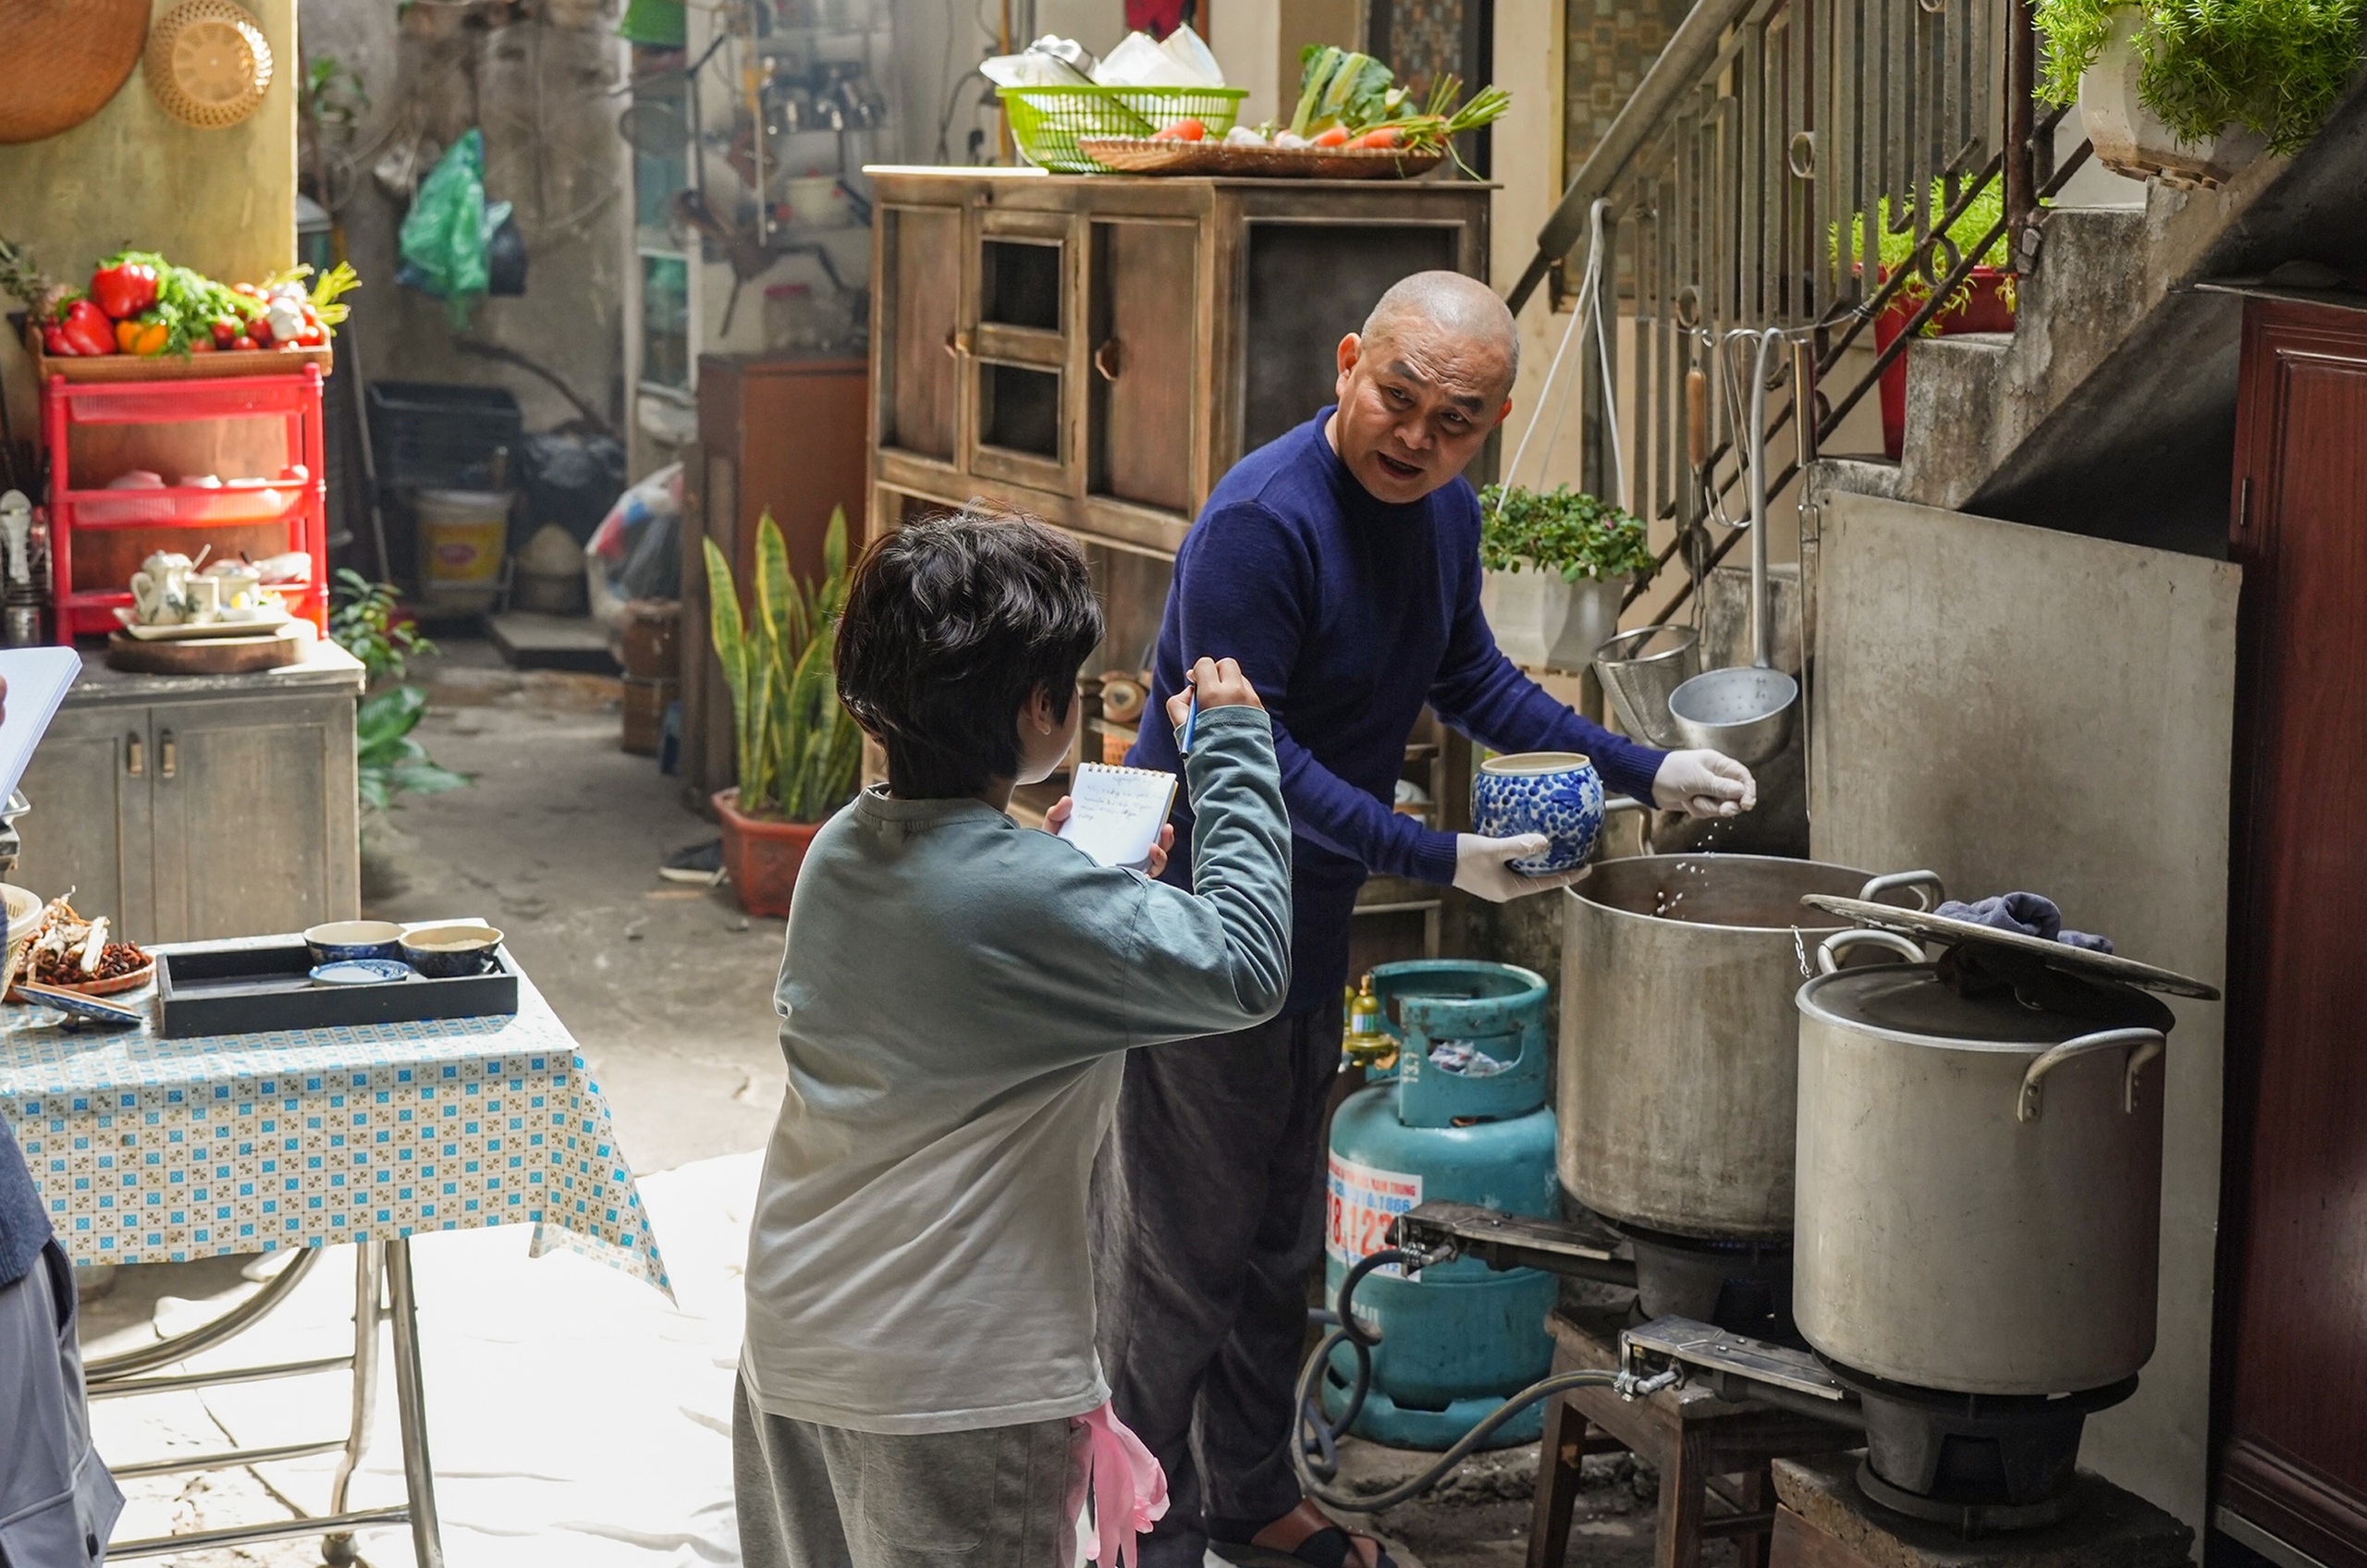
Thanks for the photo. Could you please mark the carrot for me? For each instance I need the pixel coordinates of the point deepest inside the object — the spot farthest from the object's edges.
(1186, 129)
(1384, 137)
(1335, 137)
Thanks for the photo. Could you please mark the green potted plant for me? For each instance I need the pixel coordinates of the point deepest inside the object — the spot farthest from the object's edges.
(798, 750)
(1983, 302)
(2190, 92)
(1558, 564)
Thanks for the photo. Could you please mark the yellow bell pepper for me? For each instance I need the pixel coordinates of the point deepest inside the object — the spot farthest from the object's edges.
(137, 337)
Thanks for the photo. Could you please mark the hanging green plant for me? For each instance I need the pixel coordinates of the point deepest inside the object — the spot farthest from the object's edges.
(2274, 66)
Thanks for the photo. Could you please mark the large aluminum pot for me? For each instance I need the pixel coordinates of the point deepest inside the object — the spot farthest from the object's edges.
(1677, 1063)
(1980, 1182)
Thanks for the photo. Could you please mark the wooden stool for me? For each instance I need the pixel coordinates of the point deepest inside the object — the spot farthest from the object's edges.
(1687, 1434)
(1824, 1520)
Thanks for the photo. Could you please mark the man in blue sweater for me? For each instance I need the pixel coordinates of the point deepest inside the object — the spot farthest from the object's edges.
(1340, 565)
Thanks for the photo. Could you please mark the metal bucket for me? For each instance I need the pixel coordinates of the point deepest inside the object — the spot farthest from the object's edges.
(1679, 1049)
(1640, 669)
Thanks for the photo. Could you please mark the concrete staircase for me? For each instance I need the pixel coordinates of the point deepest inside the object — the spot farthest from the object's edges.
(2110, 409)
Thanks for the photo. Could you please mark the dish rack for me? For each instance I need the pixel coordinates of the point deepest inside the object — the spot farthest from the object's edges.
(1047, 121)
(297, 499)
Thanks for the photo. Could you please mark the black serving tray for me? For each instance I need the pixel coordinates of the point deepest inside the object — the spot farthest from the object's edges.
(253, 987)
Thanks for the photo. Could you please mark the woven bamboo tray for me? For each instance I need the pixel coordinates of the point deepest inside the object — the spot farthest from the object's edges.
(174, 367)
(1142, 154)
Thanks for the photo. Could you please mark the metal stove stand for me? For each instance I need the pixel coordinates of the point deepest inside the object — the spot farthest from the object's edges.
(382, 1292)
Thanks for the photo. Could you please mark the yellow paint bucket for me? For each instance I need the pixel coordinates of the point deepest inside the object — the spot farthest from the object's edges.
(462, 538)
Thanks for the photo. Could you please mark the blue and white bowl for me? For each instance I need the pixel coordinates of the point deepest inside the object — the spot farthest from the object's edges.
(1556, 793)
(343, 939)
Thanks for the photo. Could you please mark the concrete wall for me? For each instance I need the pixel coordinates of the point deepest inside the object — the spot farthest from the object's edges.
(221, 201)
(2018, 708)
(539, 91)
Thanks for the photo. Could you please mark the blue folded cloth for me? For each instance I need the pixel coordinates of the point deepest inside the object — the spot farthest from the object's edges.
(2028, 915)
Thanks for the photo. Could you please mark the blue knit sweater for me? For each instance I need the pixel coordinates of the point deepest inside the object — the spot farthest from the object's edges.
(1348, 614)
(24, 1224)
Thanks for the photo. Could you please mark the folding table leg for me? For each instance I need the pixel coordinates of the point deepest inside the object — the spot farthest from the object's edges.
(419, 1474)
(369, 1265)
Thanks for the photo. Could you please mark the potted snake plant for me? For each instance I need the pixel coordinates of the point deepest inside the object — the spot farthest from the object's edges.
(2190, 95)
(798, 750)
(1558, 566)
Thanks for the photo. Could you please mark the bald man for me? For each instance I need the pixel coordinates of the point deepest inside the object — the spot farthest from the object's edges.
(1341, 566)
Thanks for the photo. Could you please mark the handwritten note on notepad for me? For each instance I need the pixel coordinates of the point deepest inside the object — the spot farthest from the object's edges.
(1119, 812)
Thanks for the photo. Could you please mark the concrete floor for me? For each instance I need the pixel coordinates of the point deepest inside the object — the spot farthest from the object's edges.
(669, 989)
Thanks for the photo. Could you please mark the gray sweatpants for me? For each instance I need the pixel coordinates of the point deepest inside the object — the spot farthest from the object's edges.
(823, 1496)
(57, 1502)
(1207, 1217)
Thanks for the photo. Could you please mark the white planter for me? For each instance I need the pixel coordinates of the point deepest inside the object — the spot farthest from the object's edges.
(2130, 138)
(1544, 624)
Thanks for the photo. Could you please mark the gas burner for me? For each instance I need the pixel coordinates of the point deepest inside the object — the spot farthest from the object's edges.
(1981, 1464)
(1742, 1287)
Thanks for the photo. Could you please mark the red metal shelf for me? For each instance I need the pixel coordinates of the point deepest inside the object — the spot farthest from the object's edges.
(304, 511)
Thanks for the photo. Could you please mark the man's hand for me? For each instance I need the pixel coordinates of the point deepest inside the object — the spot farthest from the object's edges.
(1221, 685)
(1704, 784)
(1158, 851)
(1483, 867)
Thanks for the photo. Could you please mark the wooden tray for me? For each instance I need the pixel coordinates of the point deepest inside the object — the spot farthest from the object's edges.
(209, 656)
(172, 367)
(1142, 154)
(254, 989)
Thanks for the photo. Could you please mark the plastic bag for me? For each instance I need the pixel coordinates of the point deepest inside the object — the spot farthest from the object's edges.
(447, 231)
(634, 553)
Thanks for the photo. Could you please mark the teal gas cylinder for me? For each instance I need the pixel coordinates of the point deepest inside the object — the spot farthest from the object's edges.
(1459, 1337)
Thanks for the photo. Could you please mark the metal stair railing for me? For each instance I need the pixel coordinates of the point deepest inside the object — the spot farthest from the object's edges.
(1731, 189)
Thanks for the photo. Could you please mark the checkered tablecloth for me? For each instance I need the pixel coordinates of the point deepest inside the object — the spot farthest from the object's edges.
(151, 1150)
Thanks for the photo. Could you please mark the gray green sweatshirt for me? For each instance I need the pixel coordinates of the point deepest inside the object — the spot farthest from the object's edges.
(956, 1001)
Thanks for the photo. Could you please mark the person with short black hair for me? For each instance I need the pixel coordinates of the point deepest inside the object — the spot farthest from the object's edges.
(957, 998)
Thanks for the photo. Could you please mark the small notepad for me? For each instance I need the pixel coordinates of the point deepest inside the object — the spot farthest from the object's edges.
(1118, 812)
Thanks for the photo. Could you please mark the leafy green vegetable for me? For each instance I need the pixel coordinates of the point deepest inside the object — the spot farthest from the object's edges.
(1340, 87)
(799, 749)
(1567, 532)
(2275, 67)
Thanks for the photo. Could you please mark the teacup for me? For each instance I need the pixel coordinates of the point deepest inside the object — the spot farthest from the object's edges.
(202, 601)
(1555, 793)
(342, 939)
(442, 952)
(241, 587)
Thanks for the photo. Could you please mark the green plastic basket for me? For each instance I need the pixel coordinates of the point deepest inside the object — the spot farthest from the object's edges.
(1047, 121)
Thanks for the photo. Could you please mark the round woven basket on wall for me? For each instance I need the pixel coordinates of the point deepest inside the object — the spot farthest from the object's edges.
(208, 63)
(61, 60)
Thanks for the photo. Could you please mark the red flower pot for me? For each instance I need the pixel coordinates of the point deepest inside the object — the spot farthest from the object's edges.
(1984, 311)
(762, 855)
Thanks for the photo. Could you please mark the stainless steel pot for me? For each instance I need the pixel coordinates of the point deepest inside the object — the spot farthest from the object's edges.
(1980, 1180)
(1678, 1051)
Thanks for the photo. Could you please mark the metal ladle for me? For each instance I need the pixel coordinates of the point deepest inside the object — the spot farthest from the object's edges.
(1746, 712)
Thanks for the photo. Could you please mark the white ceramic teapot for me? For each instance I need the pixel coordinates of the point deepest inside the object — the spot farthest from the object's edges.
(160, 589)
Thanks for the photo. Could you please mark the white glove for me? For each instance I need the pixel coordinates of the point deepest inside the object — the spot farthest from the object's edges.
(1704, 784)
(1483, 867)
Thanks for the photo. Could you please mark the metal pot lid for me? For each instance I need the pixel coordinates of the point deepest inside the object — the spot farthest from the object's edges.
(1908, 1002)
(2077, 962)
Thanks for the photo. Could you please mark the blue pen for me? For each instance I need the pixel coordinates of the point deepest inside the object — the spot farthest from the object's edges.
(1191, 717)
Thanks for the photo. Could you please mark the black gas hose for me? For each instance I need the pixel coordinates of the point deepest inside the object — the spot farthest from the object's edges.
(1324, 1436)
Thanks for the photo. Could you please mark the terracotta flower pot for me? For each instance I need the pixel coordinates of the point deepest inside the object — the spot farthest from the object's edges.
(761, 856)
(1984, 311)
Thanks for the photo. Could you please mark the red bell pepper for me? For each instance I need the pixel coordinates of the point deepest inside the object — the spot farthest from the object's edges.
(87, 329)
(53, 341)
(124, 286)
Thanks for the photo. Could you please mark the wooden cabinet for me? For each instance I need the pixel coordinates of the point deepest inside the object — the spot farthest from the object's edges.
(783, 434)
(1096, 352)
(2292, 1443)
(200, 807)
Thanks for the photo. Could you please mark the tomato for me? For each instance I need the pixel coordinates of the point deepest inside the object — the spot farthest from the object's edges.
(223, 329)
(244, 343)
(201, 343)
(259, 330)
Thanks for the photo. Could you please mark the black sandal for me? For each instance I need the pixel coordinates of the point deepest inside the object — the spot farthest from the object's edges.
(1331, 1546)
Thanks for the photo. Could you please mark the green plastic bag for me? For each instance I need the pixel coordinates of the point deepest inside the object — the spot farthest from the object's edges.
(443, 235)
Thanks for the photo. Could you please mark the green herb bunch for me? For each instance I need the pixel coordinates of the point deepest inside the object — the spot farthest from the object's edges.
(1567, 532)
(1895, 245)
(2275, 67)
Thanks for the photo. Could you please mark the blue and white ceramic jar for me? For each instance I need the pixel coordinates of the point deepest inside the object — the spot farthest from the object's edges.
(1556, 793)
